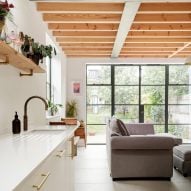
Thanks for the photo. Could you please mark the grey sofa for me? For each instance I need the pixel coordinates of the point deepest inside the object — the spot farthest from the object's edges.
(139, 155)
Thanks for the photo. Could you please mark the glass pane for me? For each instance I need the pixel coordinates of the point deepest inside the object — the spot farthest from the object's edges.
(153, 95)
(182, 131)
(98, 114)
(154, 114)
(127, 113)
(98, 94)
(179, 94)
(126, 94)
(179, 74)
(159, 128)
(98, 74)
(179, 114)
(126, 75)
(153, 75)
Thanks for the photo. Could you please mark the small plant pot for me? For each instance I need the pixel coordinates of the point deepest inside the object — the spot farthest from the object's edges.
(36, 59)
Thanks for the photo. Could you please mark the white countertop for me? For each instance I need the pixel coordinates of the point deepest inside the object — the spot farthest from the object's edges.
(20, 154)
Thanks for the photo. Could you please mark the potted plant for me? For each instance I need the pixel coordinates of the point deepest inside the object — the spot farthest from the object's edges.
(71, 109)
(5, 13)
(53, 108)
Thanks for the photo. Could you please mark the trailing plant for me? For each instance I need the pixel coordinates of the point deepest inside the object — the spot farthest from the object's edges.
(36, 51)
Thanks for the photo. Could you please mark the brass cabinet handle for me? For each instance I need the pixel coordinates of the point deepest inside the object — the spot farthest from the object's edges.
(61, 153)
(38, 187)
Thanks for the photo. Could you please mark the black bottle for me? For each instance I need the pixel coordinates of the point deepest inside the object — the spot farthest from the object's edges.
(16, 125)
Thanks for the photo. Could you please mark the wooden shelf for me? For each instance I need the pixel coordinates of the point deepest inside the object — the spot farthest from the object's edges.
(8, 55)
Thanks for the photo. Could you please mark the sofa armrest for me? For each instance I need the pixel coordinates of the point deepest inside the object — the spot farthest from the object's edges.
(142, 142)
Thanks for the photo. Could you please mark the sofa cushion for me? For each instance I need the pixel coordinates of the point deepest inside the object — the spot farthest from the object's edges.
(122, 128)
(114, 129)
(140, 128)
(183, 151)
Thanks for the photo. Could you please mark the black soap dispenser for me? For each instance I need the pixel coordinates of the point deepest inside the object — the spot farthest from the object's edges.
(16, 125)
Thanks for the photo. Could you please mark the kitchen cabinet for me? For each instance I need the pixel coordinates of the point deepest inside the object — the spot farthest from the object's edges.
(56, 173)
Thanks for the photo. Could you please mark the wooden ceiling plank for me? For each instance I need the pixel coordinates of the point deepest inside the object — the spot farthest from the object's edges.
(148, 49)
(161, 27)
(84, 26)
(83, 44)
(160, 33)
(90, 52)
(66, 6)
(162, 18)
(72, 17)
(88, 56)
(155, 40)
(87, 49)
(128, 15)
(158, 45)
(87, 40)
(142, 56)
(84, 33)
(162, 7)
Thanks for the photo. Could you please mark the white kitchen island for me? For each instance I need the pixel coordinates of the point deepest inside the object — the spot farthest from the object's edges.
(37, 160)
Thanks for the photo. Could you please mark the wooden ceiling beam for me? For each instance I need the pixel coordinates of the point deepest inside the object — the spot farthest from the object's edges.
(143, 56)
(89, 56)
(159, 33)
(146, 52)
(74, 17)
(86, 40)
(149, 49)
(83, 26)
(83, 44)
(161, 27)
(84, 33)
(162, 18)
(151, 45)
(82, 6)
(87, 52)
(86, 49)
(158, 40)
(174, 7)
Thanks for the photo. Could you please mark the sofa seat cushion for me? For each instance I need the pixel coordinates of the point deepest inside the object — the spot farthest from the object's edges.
(140, 128)
(177, 140)
(183, 151)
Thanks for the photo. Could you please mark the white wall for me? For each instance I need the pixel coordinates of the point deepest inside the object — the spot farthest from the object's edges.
(76, 70)
(14, 90)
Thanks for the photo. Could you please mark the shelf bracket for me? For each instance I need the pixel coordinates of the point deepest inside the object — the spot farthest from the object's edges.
(25, 74)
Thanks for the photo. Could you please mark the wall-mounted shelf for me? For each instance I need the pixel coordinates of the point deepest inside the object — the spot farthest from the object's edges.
(8, 55)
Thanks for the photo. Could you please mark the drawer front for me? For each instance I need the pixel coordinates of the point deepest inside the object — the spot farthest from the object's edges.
(45, 176)
(39, 178)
